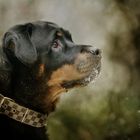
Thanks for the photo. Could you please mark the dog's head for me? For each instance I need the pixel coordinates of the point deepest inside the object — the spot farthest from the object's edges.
(46, 61)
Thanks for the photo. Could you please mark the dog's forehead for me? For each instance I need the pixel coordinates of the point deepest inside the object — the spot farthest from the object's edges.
(45, 25)
(43, 33)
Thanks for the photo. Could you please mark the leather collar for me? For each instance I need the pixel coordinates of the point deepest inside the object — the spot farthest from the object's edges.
(20, 113)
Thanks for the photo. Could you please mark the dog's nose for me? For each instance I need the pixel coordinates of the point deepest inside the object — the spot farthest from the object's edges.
(88, 48)
(96, 51)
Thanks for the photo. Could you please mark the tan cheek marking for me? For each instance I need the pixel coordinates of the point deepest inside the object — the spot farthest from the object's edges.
(65, 73)
(54, 91)
(41, 69)
(49, 101)
(69, 72)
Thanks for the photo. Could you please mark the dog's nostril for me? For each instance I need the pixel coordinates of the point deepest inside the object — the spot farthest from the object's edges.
(82, 50)
(90, 49)
(96, 52)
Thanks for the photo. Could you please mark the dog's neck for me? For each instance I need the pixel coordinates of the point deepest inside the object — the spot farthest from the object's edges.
(30, 91)
(36, 96)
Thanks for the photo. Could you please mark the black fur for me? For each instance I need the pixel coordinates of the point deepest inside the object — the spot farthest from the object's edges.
(25, 48)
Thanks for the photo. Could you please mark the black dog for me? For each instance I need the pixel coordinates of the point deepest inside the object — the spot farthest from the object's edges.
(38, 61)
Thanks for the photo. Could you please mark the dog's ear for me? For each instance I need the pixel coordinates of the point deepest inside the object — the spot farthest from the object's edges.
(17, 42)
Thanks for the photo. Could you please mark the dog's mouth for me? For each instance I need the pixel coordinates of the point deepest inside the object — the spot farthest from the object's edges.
(89, 67)
(92, 67)
(91, 77)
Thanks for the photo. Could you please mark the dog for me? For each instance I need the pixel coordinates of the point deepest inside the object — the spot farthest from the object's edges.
(38, 62)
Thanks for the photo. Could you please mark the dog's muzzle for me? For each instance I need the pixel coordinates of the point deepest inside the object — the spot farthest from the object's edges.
(91, 66)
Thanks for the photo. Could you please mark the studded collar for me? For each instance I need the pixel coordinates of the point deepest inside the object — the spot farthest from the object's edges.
(20, 113)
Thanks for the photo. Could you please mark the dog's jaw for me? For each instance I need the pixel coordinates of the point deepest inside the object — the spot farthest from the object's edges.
(83, 71)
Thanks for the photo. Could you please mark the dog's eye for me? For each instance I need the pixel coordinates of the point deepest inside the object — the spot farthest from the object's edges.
(55, 44)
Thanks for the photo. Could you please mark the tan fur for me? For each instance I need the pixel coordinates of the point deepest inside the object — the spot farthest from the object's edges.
(41, 70)
(69, 72)
(65, 73)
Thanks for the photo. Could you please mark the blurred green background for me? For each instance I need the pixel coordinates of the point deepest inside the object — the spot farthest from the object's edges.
(109, 109)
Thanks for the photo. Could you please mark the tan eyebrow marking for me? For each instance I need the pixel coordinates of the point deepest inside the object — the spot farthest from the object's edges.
(59, 33)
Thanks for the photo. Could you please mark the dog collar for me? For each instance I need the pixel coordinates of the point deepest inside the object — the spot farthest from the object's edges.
(20, 113)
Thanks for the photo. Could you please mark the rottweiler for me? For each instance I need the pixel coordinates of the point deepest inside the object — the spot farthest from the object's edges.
(38, 62)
